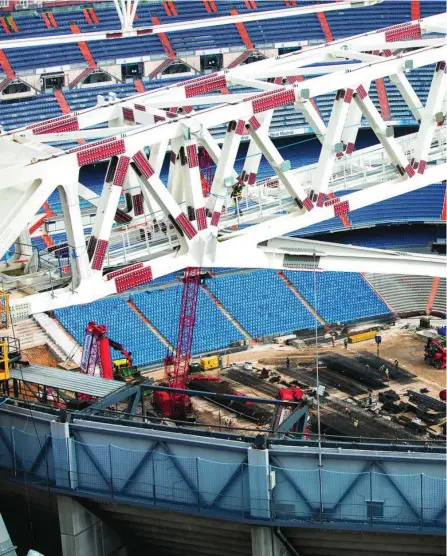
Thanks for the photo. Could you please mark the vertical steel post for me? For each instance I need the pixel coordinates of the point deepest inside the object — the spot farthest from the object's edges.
(111, 471)
(422, 501)
(198, 484)
(321, 494)
(371, 499)
(154, 492)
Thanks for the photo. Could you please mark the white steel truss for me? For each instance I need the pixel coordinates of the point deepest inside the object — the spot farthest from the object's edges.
(165, 227)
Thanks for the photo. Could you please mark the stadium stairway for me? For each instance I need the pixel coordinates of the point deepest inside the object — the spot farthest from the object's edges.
(309, 307)
(148, 323)
(432, 296)
(219, 305)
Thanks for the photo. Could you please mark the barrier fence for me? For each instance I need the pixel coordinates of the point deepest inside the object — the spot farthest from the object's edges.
(370, 499)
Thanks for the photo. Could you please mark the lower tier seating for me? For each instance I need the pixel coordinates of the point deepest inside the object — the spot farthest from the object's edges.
(261, 303)
(339, 296)
(259, 300)
(212, 330)
(123, 324)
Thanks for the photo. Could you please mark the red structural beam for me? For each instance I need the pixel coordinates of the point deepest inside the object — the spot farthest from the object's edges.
(383, 99)
(433, 292)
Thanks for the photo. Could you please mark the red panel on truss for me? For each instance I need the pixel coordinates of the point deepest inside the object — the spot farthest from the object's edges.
(133, 278)
(143, 165)
(100, 254)
(121, 171)
(100, 151)
(122, 271)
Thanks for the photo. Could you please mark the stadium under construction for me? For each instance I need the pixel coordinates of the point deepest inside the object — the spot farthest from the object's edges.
(222, 277)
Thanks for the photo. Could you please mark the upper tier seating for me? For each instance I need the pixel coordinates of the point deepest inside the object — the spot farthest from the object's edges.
(123, 324)
(265, 33)
(340, 296)
(22, 112)
(262, 303)
(212, 330)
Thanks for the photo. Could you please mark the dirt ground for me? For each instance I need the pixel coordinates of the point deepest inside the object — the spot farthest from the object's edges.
(397, 342)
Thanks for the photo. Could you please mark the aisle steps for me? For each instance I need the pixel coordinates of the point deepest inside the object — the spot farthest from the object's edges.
(309, 307)
(148, 323)
(219, 305)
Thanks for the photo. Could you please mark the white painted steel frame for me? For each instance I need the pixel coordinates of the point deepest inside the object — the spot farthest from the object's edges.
(180, 227)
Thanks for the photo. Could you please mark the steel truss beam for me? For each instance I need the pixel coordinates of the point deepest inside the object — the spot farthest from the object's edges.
(167, 229)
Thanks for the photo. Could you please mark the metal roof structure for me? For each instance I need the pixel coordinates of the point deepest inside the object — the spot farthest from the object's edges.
(70, 381)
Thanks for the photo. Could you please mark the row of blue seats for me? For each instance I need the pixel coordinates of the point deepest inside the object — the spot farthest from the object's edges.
(262, 33)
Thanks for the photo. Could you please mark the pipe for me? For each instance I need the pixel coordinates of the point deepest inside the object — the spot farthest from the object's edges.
(285, 541)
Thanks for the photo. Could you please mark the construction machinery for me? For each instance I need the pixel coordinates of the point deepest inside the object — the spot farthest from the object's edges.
(291, 418)
(9, 355)
(96, 357)
(435, 354)
(173, 404)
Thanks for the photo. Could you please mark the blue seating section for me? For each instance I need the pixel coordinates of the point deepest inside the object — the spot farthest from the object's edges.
(123, 324)
(259, 300)
(265, 33)
(16, 114)
(212, 330)
(262, 303)
(341, 296)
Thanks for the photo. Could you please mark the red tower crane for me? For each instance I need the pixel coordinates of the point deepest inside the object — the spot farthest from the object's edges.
(175, 405)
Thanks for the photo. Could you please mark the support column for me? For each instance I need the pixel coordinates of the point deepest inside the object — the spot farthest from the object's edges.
(84, 534)
(64, 459)
(259, 483)
(264, 542)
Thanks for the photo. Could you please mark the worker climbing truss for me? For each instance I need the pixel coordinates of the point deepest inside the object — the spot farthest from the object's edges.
(166, 227)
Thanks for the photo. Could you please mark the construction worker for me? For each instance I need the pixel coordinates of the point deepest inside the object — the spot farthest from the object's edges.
(367, 368)
(345, 342)
(348, 412)
(287, 363)
(387, 374)
(236, 195)
(396, 364)
(333, 340)
(382, 368)
(356, 423)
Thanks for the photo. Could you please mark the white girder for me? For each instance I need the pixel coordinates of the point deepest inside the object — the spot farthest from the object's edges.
(173, 225)
(126, 12)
